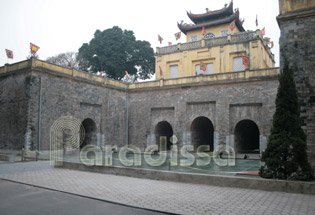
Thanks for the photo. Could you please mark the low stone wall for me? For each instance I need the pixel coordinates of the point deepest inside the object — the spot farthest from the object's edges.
(7, 157)
(224, 181)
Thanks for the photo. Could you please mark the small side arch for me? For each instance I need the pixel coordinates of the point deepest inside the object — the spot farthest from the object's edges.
(246, 135)
(89, 127)
(163, 129)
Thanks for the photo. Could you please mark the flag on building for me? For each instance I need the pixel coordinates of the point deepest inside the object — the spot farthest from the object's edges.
(178, 35)
(271, 44)
(203, 66)
(245, 60)
(160, 39)
(203, 30)
(267, 40)
(70, 64)
(169, 43)
(127, 74)
(256, 21)
(9, 53)
(263, 32)
(161, 72)
(34, 48)
(232, 25)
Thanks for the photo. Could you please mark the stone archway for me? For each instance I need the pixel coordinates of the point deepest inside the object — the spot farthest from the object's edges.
(90, 132)
(202, 132)
(163, 129)
(247, 137)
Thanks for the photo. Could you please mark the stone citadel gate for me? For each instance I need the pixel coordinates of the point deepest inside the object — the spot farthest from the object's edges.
(234, 109)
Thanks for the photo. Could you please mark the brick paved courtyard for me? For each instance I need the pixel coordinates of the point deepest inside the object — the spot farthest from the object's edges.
(181, 198)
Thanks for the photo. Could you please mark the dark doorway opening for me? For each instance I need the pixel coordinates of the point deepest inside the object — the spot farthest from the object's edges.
(163, 129)
(89, 127)
(247, 137)
(202, 132)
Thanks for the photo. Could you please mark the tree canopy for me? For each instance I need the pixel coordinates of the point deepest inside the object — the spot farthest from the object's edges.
(285, 156)
(115, 51)
(69, 59)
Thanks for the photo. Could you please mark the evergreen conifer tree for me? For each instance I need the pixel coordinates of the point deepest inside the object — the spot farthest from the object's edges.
(285, 156)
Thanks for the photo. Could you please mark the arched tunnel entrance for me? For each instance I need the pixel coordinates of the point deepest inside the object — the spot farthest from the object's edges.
(89, 127)
(163, 129)
(202, 132)
(247, 137)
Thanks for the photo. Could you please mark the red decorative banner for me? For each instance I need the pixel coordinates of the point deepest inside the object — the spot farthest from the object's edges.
(9, 53)
(245, 60)
(263, 32)
(203, 66)
(256, 21)
(232, 25)
(70, 64)
(160, 39)
(161, 72)
(178, 35)
(267, 40)
(203, 30)
(127, 74)
(34, 48)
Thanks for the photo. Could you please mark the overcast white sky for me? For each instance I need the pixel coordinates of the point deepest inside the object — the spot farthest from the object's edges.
(58, 26)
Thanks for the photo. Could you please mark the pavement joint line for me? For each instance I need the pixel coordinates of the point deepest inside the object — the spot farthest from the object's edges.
(89, 197)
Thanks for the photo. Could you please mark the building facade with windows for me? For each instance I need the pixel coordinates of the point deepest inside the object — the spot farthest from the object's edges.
(218, 40)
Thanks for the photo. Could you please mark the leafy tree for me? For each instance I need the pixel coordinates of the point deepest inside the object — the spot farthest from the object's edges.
(115, 51)
(285, 156)
(69, 59)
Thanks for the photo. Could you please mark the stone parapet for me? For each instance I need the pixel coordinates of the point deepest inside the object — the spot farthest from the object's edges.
(243, 37)
(241, 76)
(42, 66)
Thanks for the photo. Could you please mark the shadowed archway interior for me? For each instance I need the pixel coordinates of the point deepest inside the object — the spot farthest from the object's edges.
(202, 132)
(247, 137)
(163, 129)
(90, 132)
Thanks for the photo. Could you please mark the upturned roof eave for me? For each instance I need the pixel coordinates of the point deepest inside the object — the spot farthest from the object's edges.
(195, 18)
(235, 17)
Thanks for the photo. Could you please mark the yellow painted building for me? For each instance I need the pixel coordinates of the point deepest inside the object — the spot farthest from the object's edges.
(287, 6)
(216, 43)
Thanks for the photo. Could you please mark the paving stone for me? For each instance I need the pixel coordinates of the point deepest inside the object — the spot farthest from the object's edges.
(182, 198)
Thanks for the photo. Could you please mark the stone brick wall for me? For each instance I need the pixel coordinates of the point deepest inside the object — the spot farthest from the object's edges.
(14, 96)
(61, 96)
(224, 104)
(297, 44)
(65, 97)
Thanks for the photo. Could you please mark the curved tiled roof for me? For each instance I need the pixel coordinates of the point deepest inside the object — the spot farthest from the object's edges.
(186, 28)
(211, 15)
